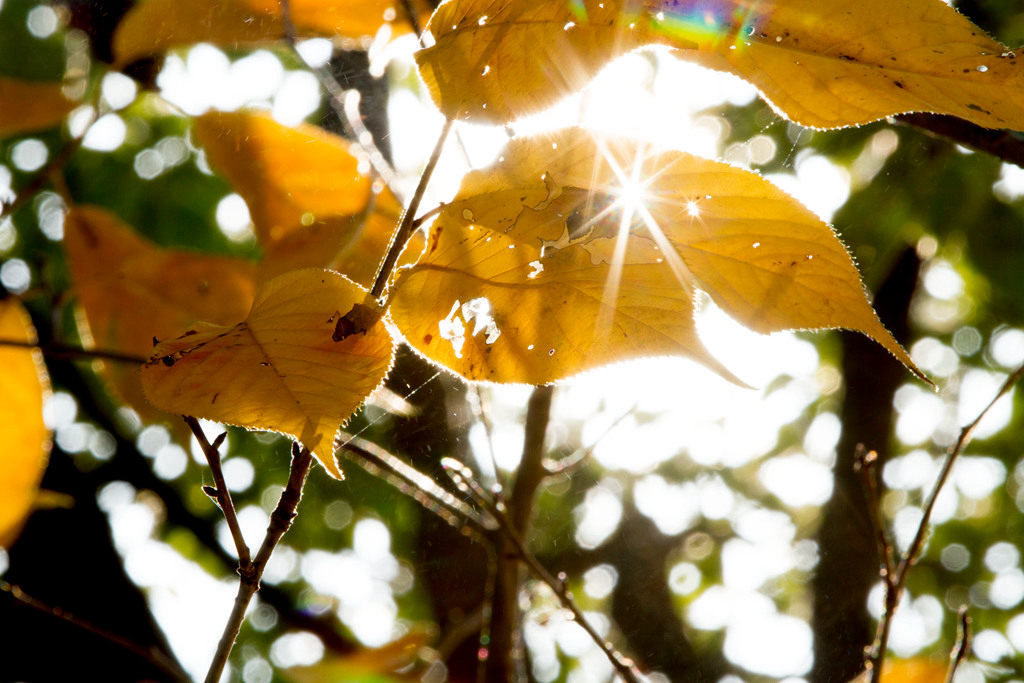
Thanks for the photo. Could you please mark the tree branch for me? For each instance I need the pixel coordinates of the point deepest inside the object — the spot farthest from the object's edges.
(220, 491)
(404, 230)
(1003, 144)
(895, 582)
(463, 478)
(152, 655)
(963, 643)
(249, 582)
(58, 350)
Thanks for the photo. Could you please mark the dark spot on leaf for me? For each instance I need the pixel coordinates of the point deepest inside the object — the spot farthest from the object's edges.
(155, 340)
(427, 338)
(898, 84)
(847, 58)
(214, 399)
(189, 333)
(167, 360)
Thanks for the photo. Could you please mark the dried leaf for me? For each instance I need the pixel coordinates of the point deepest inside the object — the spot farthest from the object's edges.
(310, 204)
(822, 63)
(131, 291)
(24, 439)
(154, 26)
(580, 250)
(916, 670)
(278, 369)
(31, 105)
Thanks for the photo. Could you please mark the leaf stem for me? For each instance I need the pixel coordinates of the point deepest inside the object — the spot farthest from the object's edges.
(249, 582)
(404, 230)
(221, 493)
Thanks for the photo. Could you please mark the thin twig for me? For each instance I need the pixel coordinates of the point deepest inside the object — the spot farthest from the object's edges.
(463, 478)
(404, 230)
(963, 643)
(220, 491)
(409, 480)
(38, 181)
(866, 465)
(249, 583)
(152, 655)
(58, 350)
(965, 436)
(895, 581)
(337, 98)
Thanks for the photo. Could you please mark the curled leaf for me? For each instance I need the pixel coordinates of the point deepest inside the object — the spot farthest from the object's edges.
(279, 369)
(580, 250)
(821, 63)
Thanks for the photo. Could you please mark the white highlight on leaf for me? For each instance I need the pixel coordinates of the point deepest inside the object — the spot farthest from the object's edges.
(452, 330)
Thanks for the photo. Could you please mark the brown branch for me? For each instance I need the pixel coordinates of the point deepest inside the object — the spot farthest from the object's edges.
(1003, 144)
(463, 478)
(895, 581)
(220, 492)
(866, 465)
(963, 643)
(337, 98)
(249, 582)
(58, 350)
(152, 655)
(404, 230)
(56, 164)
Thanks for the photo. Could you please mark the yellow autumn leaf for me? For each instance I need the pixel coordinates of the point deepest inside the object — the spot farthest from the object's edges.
(579, 250)
(154, 26)
(280, 368)
(31, 105)
(310, 204)
(917, 670)
(130, 291)
(821, 63)
(24, 439)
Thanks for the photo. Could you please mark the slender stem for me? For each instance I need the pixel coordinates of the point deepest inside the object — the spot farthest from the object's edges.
(152, 655)
(463, 478)
(414, 483)
(345, 107)
(58, 350)
(965, 436)
(624, 666)
(58, 162)
(249, 582)
(404, 230)
(895, 580)
(221, 492)
(963, 643)
(866, 464)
